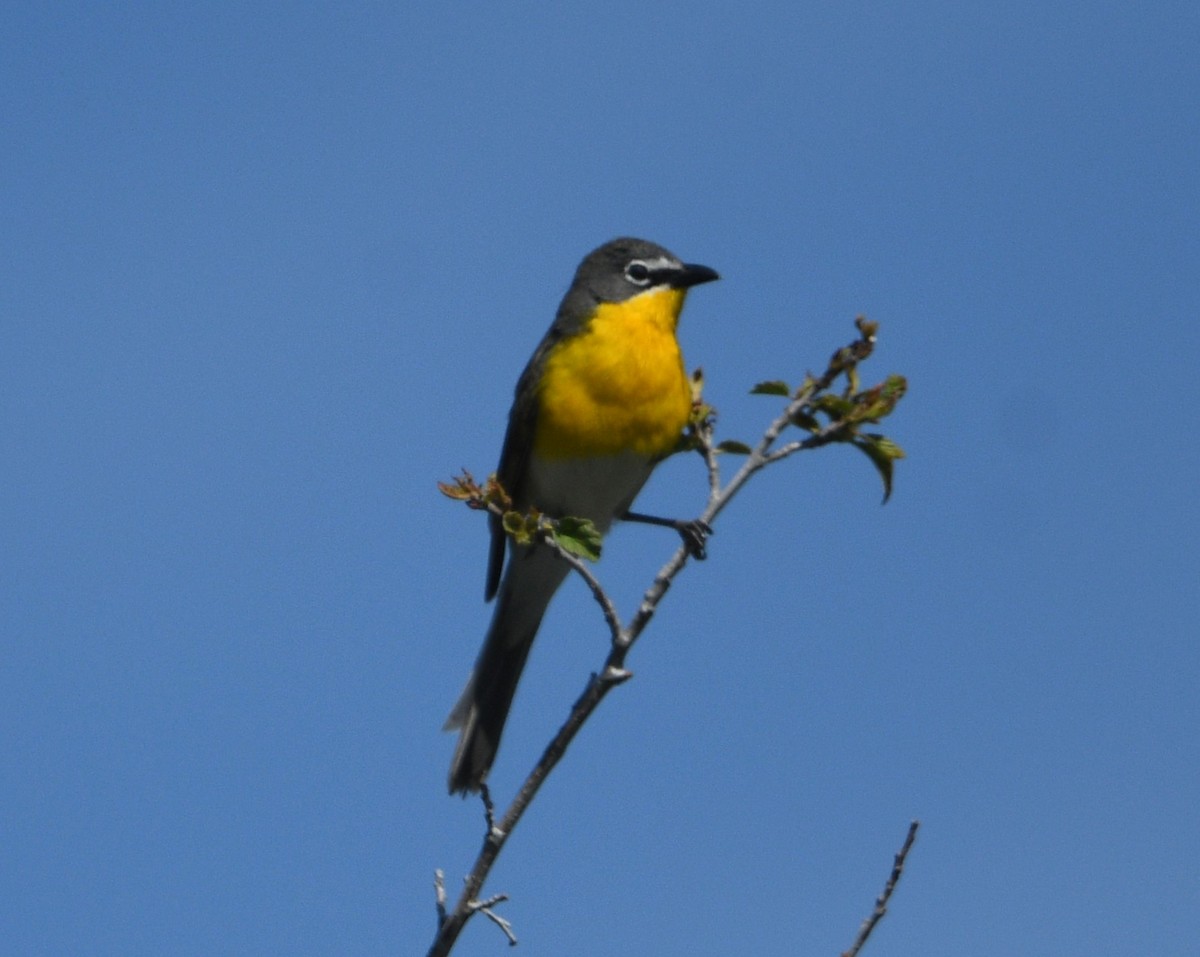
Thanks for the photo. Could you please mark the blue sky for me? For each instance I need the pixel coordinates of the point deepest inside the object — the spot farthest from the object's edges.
(271, 271)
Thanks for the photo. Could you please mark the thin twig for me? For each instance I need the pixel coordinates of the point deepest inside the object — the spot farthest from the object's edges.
(489, 807)
(653, 595)
(485, 908)
(611, 618)
(704, 445)
(833, 432)
(439, 891)
(881, 901)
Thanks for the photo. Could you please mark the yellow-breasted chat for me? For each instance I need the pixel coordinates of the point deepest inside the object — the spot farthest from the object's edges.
(603, 399)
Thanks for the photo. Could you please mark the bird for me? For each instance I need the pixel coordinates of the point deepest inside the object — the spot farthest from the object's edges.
(603, 399)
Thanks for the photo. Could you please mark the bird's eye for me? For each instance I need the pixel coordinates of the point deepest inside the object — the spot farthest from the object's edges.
(638, 273)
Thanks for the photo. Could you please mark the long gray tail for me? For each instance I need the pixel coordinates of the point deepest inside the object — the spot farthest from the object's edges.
(533, 576)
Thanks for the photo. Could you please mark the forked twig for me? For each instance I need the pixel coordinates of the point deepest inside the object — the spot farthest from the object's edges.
(485, 908)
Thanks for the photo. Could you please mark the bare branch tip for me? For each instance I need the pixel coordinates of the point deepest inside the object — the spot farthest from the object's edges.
(881, 902)
(439, 891)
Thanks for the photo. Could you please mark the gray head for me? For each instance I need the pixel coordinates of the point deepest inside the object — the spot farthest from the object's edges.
(625, 267)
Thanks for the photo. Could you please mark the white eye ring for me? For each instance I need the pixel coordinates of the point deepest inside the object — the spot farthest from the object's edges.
(638, 273)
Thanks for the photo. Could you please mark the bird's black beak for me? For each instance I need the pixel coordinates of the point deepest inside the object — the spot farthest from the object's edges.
(693, 275)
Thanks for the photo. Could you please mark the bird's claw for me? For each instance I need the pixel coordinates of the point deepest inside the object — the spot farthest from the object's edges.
(695, 537)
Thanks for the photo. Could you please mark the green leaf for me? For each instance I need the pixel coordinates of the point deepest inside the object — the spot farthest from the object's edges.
(894, 387)
(885, 445)
(734, 447)
(882, 452)
(772, 387)
(519, 526)
(878, 402)
(806, 422)
(835, 406)
(577, 536)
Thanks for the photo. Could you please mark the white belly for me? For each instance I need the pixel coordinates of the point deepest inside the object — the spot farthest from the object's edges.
(598, 489)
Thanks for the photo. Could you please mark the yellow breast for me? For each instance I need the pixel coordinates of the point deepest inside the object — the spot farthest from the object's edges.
(617, 386)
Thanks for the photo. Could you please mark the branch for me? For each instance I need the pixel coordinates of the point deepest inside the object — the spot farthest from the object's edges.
(881, 901)
(607, 608)
(801, 409)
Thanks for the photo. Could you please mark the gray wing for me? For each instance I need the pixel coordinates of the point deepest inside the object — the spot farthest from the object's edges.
(514, 457)
(578, 304)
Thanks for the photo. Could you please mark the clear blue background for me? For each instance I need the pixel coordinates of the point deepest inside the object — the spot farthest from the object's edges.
(270, 270)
